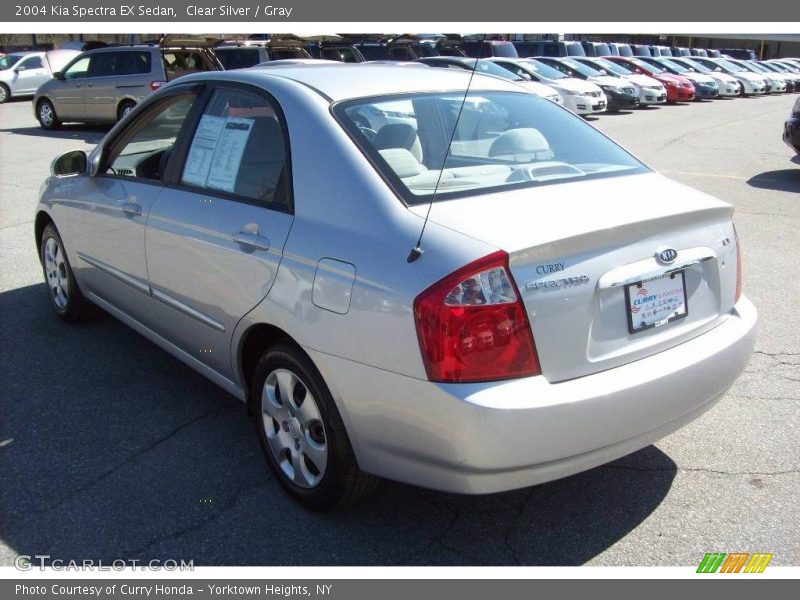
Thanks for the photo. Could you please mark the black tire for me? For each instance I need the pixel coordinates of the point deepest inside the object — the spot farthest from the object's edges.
(46, 115)
(5, 93)
(68, 304)
(124, 108)
(342, 482)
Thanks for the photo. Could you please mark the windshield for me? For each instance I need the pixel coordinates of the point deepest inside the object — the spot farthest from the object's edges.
(695, 66)
(611, 67)
(757, 67)
(543, 70)
(673, 66)
(487, 67)
(729, 66)
(8, 61)
(503, 141)
(646, 65)
(581, 68)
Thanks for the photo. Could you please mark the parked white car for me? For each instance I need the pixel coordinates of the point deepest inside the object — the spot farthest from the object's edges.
(581, 97)
(651, 91)
(751, 83)
(728, 84)
(493, 297)
(488, 67)
(777, 81)
(21, 73)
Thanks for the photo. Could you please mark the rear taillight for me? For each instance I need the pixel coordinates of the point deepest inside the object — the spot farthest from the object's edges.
(472, 325)
(738, 267)
(154, 85)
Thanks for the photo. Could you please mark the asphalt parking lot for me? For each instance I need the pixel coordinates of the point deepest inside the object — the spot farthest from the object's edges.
(110, 448)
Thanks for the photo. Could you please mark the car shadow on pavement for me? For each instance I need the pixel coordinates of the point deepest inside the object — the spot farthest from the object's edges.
(111, 449)
(90, 134)
(783, 180)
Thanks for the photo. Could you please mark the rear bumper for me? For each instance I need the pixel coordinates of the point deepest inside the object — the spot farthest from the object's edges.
(483, 438)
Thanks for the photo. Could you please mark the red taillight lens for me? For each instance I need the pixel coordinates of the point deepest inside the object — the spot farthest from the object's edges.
(472, 325)
(738, 267)
(154, 85)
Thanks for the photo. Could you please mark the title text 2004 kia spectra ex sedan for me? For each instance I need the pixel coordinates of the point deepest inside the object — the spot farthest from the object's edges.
(566, 305)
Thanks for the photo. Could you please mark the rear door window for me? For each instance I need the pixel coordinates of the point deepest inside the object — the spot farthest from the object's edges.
(133, 63)
(103, 64)
(239, 148)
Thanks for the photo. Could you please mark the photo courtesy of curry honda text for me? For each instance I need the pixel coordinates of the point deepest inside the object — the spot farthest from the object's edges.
(566, 305)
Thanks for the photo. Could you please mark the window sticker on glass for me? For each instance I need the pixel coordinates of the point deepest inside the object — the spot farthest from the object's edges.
(216, 152)
(198, 163)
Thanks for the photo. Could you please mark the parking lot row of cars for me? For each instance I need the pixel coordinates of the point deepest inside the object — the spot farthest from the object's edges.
(104, 84)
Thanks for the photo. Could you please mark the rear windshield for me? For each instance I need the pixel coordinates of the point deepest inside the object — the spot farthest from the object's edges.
(341, 53)
(504, 49)
(179, 62)
(502, 140)
(238, 58)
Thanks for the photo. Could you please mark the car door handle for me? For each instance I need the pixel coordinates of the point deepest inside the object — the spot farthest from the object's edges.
(252, 240)
(131, 208)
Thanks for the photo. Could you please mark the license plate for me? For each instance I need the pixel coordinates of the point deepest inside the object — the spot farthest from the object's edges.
(656, 302)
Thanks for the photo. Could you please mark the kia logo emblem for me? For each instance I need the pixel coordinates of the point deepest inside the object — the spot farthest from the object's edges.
(666, 255)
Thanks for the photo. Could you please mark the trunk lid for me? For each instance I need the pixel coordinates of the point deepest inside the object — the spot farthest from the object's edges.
(573, 248)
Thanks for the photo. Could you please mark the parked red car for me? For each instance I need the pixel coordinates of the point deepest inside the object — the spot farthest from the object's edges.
(679, 89)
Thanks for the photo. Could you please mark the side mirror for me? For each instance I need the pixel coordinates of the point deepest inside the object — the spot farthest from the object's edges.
(74, 162)
(59, 75)
(20, 68)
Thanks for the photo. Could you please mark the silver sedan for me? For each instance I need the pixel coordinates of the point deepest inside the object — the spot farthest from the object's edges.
(471, 290)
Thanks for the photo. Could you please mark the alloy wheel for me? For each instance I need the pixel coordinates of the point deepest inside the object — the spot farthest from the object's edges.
(55, 267)
(294, 429)
(46, 114)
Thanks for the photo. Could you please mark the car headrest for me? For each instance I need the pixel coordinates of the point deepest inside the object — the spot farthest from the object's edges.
(399, 135)
(521, 145)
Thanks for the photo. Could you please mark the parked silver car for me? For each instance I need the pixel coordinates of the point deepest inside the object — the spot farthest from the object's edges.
(565, 306)
(21, 73)
(103, 85)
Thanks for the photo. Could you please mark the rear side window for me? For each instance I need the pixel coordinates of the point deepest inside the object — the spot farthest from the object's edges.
(239, 148)
(103, 64)
(134, 63)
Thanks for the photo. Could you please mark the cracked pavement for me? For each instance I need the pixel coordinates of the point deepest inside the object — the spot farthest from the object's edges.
(110, 448)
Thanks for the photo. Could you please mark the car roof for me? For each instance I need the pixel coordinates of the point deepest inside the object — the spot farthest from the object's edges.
(343, 81)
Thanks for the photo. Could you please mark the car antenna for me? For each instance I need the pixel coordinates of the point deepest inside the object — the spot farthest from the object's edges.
(417, 251)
